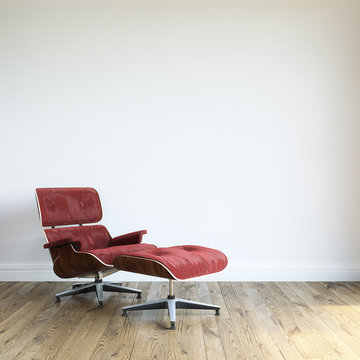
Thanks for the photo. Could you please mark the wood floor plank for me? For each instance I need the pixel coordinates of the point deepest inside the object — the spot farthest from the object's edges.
(340, 347)
(349, 317)
(348, 293)
(41, 332)
(249, 344)
(306, 326)
(28, 292)
(12, 292)
(14, 298)
(190, 338)
(271, 321)
(217, 298)
(17, 329)
(10, 287)
(256, 327)
(354, 283)
(353, 286)
(351, 312)
(49, 340)
(279, 336)
(117, 340)
(25, 336)
(212, 340)
(303, 336)
(328, 315)
(147, 341)
(232, 343)
(174, 343)
(89, 330)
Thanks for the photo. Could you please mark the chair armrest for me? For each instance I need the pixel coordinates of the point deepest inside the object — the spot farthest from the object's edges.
(128, 239)
(61, 242)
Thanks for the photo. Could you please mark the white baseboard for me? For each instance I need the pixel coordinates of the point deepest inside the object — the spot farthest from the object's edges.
(292, 272)
(234, 272)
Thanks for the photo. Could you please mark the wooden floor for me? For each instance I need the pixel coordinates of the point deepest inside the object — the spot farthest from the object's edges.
(258, 321)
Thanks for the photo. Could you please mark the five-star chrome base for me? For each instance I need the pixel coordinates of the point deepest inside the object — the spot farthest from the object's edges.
(98, 286)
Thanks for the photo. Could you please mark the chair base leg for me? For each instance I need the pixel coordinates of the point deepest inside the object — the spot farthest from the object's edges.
(99, 287)
(171, 303)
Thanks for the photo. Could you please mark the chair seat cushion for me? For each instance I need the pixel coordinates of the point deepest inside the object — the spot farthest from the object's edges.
(108, 254)
(183, 262)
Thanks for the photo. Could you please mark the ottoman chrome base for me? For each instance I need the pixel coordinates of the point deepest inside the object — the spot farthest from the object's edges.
(171, 303)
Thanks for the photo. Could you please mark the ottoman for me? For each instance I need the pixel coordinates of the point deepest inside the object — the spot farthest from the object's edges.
(173, 263)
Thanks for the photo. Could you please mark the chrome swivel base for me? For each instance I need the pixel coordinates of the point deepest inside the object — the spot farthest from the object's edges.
(171, 303)
(98, 286)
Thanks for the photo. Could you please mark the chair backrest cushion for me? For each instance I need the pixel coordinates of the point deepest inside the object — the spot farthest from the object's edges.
(90, 236)
(68, 206)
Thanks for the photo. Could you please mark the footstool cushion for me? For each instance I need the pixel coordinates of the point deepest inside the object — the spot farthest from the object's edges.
(175, 262)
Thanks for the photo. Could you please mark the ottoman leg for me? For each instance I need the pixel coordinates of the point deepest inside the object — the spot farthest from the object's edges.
(171, 304)
(188, 304)
(99, 293)
(152, 305)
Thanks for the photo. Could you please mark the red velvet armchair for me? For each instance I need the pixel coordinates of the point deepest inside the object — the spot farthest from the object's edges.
(91, 251)
(83, 250)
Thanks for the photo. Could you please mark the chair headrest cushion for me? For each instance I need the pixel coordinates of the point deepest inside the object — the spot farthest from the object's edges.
(68, 206)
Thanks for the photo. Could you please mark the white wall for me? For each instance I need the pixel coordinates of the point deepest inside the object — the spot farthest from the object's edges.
(229, 124)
